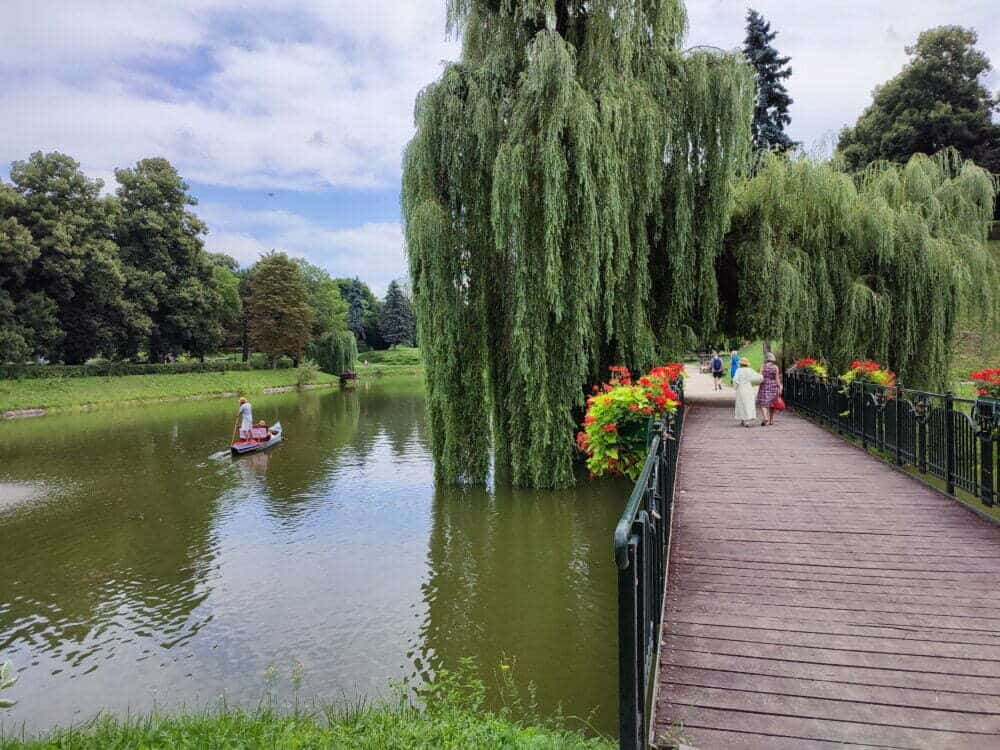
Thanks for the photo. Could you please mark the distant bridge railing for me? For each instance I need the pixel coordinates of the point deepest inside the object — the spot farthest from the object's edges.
(953, 439)
(642, 548)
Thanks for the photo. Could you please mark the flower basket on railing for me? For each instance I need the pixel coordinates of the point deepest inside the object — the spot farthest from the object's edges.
(615, 429)
(869, 371)
(987, 383)
(811, 366)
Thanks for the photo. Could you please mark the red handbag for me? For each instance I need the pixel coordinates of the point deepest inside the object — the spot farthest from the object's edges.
(779, 404)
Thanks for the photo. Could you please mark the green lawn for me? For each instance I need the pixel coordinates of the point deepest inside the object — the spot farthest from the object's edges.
(70, 393)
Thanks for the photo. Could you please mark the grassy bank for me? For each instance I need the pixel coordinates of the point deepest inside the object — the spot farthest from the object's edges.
(75, 393)
(401, 360)
(374, 729)
(454, 717)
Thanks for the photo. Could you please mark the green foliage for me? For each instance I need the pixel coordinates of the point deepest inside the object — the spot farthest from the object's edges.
(61, 280)
(329, 310)
(770, 114)
(878, 266)
(335, 352)
(111, 368)
(396, 323)
(615, 430)
(172, 284)
(278, 309)
(571, 174)
(363, 312)
(939, 100)
(307, 372)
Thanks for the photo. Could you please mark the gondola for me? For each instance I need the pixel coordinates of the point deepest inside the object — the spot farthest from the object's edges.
(261, 438)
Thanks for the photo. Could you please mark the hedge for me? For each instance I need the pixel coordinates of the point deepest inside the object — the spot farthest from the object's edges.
(113, 369)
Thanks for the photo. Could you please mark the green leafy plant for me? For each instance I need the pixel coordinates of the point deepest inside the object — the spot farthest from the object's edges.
(307, 373)
(868, 371)
(811, 366)
(615, 427)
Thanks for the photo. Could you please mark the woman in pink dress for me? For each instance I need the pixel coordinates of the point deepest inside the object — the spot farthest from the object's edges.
(769, 389)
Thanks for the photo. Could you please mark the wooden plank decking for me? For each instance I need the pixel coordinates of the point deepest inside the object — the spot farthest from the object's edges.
(819, 599)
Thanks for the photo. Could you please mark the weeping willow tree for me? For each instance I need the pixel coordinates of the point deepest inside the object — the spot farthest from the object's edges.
(565, 199)
(874, 265)
(336, 352)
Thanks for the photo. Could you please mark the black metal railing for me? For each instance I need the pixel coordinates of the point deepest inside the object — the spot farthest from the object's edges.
(953, 439)
(642, 547)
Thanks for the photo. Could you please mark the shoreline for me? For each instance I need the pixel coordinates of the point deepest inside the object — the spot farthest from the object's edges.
(372, 372)
(42, 411)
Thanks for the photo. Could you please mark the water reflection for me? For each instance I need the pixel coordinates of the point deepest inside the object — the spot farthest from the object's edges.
(157, 572)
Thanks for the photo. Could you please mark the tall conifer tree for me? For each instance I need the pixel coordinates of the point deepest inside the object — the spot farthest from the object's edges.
(770, 114)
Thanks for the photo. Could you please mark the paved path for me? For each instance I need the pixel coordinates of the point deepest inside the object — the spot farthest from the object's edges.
(819, 599)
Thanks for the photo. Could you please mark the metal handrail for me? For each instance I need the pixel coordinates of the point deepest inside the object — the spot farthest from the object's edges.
(940, 434)
(641, 549)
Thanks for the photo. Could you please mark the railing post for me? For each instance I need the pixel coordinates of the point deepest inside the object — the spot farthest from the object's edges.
(864, 417)
(987, 416)
(949, 440)
(898, 415)
(629, 698)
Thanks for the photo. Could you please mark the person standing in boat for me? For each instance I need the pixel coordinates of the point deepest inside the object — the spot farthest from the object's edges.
(245, 415)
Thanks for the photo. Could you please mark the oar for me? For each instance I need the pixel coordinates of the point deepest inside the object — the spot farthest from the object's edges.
(234, 432)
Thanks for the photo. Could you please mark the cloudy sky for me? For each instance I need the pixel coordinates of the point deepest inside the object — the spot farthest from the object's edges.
(288, 119)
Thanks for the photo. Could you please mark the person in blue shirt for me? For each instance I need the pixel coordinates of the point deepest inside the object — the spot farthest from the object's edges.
(734, 365)
(717, 370)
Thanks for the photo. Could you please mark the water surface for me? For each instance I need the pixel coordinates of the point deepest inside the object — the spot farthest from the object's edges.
(141, 567)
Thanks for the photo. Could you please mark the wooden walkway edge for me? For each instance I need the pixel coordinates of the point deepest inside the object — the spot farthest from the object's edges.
(819, 599)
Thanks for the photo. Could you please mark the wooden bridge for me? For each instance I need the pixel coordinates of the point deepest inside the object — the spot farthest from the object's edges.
(819, 598)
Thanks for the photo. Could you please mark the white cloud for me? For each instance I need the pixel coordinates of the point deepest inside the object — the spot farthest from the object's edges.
(373, 251)
(319, 93)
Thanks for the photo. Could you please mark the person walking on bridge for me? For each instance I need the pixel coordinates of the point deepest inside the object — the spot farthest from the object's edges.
(744, 379)
(717, 370)
(734, 365)
(770, 389)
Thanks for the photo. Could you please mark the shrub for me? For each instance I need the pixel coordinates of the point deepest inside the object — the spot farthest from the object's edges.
(306, 373)
(615, 427)
(115, 369)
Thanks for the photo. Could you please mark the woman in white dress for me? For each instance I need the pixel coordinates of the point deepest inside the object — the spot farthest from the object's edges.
(744, 380)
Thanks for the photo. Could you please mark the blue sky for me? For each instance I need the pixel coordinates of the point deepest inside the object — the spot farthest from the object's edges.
(288, 119)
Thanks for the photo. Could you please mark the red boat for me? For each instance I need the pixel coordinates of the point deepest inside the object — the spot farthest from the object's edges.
(261, 438)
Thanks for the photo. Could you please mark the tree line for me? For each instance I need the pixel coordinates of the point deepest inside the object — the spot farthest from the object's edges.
(127, 277)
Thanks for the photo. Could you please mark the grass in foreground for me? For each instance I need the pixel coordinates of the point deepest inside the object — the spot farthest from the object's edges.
(71, 393)
(454, 717)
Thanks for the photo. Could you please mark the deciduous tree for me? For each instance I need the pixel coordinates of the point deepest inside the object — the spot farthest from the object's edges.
(68, 292)
(939, 100)
(278, 308)
(565, 197)
(170, 276)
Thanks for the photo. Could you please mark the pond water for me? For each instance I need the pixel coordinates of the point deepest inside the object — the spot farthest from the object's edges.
(141, 567)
